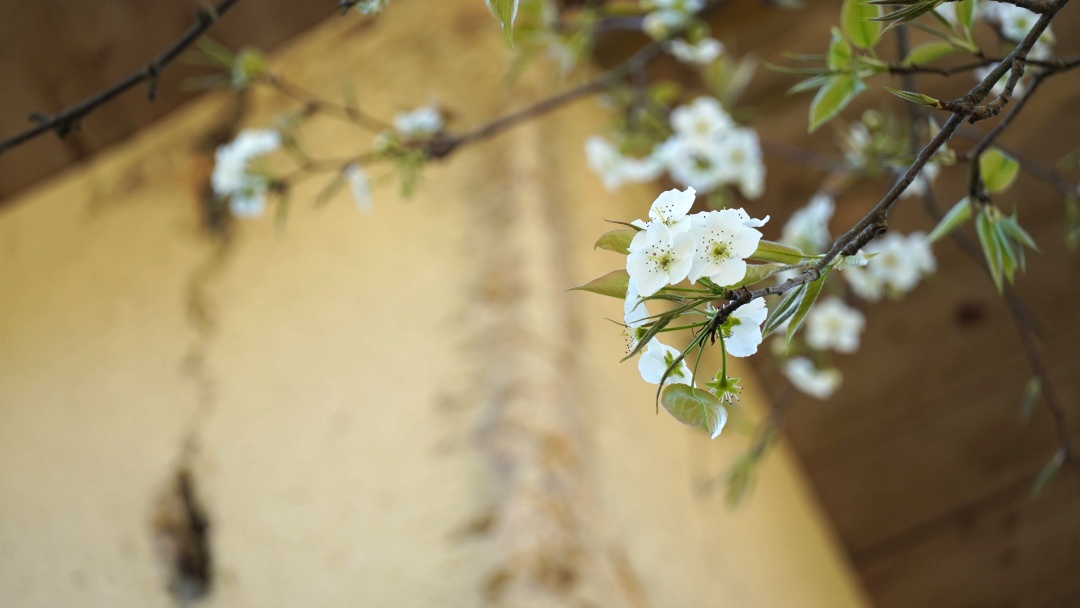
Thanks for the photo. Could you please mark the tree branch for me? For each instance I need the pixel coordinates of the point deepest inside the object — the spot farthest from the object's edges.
(67, 120)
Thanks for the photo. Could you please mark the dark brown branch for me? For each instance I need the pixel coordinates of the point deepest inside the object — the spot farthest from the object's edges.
(1035, 6)
(67, 120)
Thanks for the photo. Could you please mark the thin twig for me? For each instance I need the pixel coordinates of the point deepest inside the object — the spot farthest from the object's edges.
(67, 120)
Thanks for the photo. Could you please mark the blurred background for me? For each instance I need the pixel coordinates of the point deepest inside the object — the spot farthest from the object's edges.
(406, 409)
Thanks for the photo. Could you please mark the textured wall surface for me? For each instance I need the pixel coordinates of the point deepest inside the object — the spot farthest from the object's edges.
(399, 409)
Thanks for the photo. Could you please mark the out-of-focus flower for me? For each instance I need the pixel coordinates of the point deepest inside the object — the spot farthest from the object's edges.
(833, 324)
(421, 123)
(705, 51)
(360, 186)
(810, 380)
(808, 228)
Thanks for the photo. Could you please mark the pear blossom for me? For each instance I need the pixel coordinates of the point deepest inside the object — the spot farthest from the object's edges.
(808, 228)
(802, 374)
(900, 262)
(858, 145)
(1015, 21)
(833, 324)
(660, 25)
(656, 359)
(703, 119)
(232, 177)
(360, 186)
(634, 311)
(420, 123)
(670, 209)
(659, 256)
(742, 162)
(371, 7)
(615, 169)
(694, 163)
(742, 330)
(703, 52)
(723, 241)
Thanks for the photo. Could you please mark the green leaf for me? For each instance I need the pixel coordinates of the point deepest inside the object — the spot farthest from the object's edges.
(918, 98)
(695, 407)
(843, 262)
(612, 284)
(928, 52)
(832, 98)
(782, 312)
(855, 18)
(960, 213)
(913, 9)
(770, 251)
(809, 297)
(998, 170)
(504, 12)
(838, 59)
(991, 248)
(965, 12)
(741, 479)
(1048, 472)
(1017, 234)
(616, 240)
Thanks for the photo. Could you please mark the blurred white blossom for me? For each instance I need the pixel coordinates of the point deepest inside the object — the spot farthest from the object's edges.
(360, 186)
(833, 324)
(810, 380)
(808, 228)
(233, 178)
(421, 123)
(705, 51)
(895, 269)
(615, 169)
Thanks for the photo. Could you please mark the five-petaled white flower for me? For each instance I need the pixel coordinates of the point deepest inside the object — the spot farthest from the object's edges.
(833, 324)
(819, 383)
(900, 262)
(615, 169)
(704, 119)
(742, 330)
(670, 209)
(657, 359)
(659, 256)
(723, 241)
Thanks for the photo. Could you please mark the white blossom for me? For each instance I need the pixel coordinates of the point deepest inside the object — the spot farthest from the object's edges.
(420, 123)
(808, 228)
(1015, 21)
(694, 162)
(615, 169)
(744, 326)
(900, 262)
(658, 257)
(857, 145)
(659, 25)
(723, 241)
(703, 119)
(232, 177)
(656, 359)
(635, 314)
(864, 283)
(360, 186)
(670, 209)
(742, 162)
(705, 51)
(810, 380)
(833, 324)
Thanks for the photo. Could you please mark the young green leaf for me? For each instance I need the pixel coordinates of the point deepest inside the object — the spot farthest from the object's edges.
(695, 407)
(782, 312)
(991, 248)
(612, 284)
(809, 297)
(965, 13)
(919, 98)
(928, 52)
(504, 12)
(838, 58)
(1032, 392)
(1011, 226)
(998, 170)
(855, 19)
(832, 98)
(616, 240)
(770, 251)
(960, 213)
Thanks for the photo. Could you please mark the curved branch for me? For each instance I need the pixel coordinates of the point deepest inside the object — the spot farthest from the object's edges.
(67, 120)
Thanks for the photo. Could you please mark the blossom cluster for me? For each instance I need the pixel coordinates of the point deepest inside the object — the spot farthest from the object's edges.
(705, 150)
(674, 245)
(235, 177)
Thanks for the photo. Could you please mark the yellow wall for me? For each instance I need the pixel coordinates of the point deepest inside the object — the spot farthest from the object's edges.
(401, 409)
